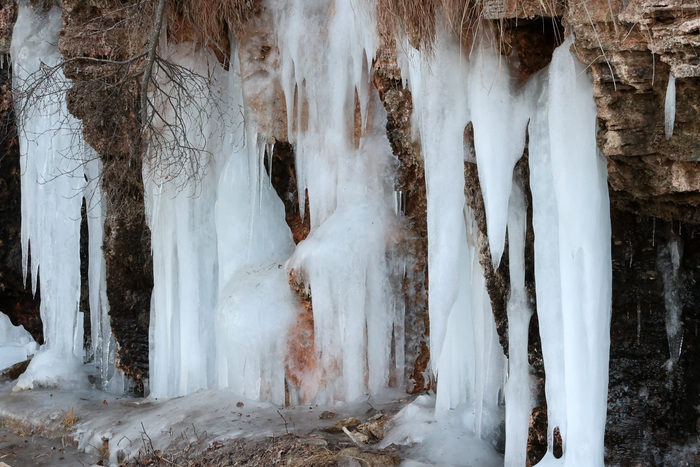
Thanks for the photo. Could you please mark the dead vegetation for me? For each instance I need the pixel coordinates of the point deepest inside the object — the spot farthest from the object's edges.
(418, 19)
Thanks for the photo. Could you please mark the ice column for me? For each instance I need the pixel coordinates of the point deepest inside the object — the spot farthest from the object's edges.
(337, 125)
(467, 357)
(573, 271)
(221, 302)
(180, 195)
(55, 164)
(256, 303)
(518, 390)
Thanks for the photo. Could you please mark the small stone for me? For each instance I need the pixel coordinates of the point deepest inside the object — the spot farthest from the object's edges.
(337, 427)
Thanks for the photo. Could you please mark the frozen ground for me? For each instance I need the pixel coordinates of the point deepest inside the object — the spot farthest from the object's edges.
(38, 451)
(120, 428)
(82, 426)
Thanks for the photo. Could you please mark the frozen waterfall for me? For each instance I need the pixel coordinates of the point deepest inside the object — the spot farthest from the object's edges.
(58, 171)
(571, 220)
(223, 311)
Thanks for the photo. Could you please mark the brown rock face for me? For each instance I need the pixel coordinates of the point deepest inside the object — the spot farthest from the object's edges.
(411, 185)
(631, 50)
(105, 97)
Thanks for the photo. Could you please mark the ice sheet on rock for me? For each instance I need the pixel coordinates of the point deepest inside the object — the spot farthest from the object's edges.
(343, 163)
(16, 344)
(572, 257)
(669, 265)
(670, 106)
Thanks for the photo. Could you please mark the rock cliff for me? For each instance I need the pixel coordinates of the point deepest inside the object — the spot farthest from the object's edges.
(631, 48)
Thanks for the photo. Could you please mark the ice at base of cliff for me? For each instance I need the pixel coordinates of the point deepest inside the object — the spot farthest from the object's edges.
(53, 369)
(439, 439)
(16, 344)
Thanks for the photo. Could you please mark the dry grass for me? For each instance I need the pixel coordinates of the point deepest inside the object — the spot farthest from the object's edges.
(209, 22)
(70, 419)
(418, 19)
(22, 428)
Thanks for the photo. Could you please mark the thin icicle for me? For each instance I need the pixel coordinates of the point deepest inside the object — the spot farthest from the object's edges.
(670, 106)
(518, 393)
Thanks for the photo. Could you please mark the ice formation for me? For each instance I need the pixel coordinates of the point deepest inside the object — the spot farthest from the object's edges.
(518, 388)
(669, 264)
(16, 344)
(58, 170)
(573, 270)
(342, 163)
(670, 106)
(572, 241)
(222, 251)
(220, 301)
(219, 231)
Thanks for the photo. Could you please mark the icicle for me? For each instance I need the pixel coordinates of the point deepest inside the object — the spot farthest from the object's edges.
(518, 393)
(669, 264)
(670, 106)
(440, 115)
(467, 357)
(52, 177)
(572, 258)
(499, 119)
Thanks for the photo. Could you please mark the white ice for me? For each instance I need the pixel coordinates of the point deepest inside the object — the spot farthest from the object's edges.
(572, 240)
(58, 170)
(343, 164)
(439, 439)
(573, 270)
(467, 357)
(670, 106)
(499, 116)
(16, 344)
(518, 388)
(221, 302)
